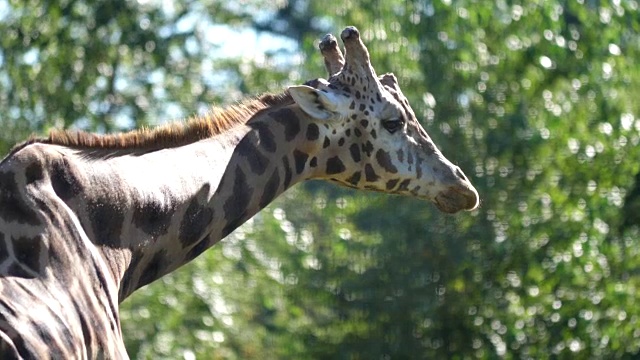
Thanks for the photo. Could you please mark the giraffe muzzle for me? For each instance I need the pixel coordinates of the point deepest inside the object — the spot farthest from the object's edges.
(457, 198)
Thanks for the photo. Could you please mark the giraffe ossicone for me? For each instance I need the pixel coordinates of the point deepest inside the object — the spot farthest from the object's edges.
(87, 219)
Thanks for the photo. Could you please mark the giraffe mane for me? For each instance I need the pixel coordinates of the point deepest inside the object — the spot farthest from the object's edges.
(215, 122)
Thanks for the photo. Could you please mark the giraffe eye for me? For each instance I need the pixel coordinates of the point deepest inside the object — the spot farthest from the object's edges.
(393, 125)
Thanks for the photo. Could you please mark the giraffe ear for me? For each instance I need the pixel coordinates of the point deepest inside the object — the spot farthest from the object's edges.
(316, 103)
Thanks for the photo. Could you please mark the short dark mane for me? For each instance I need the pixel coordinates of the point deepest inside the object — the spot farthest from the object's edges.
(215, 122)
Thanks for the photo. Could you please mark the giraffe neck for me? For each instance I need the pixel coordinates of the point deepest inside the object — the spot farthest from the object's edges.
(139, 213)
(82, 227)
(186, 199)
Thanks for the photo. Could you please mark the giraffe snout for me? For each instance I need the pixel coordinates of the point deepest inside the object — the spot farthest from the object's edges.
(457, 197)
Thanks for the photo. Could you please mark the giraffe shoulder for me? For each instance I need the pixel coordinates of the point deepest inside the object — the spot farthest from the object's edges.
(28, 174)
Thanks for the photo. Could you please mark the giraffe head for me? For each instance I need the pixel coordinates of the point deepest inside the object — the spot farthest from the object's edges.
(372, 138)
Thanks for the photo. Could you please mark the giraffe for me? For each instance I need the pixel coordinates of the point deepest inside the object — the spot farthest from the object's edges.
(87, 219)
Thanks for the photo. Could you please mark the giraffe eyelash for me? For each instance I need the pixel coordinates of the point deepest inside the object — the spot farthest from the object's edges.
(393, 125)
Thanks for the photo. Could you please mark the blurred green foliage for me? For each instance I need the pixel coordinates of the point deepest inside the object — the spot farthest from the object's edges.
(536, 101)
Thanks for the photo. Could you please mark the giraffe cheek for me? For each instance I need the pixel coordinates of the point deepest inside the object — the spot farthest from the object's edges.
(354, 179)
(391, 184)
(370, 174)
(384, 160)
(404, 186)
(354, 151)
(335, 166)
